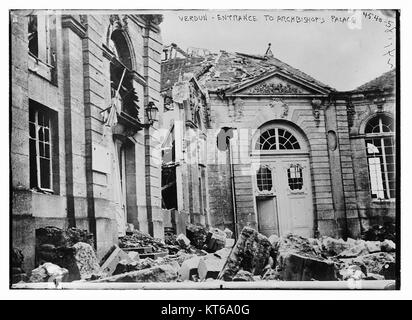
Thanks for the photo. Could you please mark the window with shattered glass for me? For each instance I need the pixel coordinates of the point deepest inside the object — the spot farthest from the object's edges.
(380, 150)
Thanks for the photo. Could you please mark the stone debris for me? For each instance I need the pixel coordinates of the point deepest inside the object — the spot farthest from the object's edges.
(228, 232)
(86, 260)
(17, 272)
(57, 246)
(373, 246)
(62, 238)
(197, 235)
(111, 260)
(210, 255)
(251, 253)
(130, 228)
(274, 240)
(271, 274)
(352, 272)
(215, 240)
(161, 273)
(296, 267)
(189, 269)
(133, 255)
(333, 246)
(183, 241)
(388, 246)
(243, 275)
(354, 251)
(49, 272)
(374, 276)
(229, 243)
(378, 232)
(140, 239)
(210, 266)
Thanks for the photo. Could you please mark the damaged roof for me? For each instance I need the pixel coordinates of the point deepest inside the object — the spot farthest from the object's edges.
(235, 69)
(176, 67)
(384, 82)
(227, 70)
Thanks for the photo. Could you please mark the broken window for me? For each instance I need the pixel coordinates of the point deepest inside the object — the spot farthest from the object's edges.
(295, 177)
(40, 27)
(121, 76)
(169, 190)
(33, 36)
(380, 150)
(264, 179)
(277, 139)
(40, 144)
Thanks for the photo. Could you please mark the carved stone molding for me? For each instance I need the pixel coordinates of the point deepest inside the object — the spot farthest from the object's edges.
(153, 19)
(350, 108)
(238, 106)
(269, 88)
(280, 104)
(316, 105)
(118, 22)
(379, 102)
(69, 21)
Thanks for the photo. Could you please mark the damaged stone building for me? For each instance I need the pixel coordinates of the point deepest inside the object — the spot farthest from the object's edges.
(84, 96)
(285, 152)
(110, 130)
(185, 120)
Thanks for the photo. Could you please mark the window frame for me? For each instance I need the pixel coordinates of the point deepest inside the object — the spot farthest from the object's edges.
(38, 156)
(304, 148)
(265, 192)
(53, 135)
(381, 136)
(44, 46)
(44, 63)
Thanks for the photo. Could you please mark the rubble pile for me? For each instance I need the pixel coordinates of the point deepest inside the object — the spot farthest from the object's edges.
(197, 235)
(251, 253)
(141, 239)
(49, 272)
(86, 260)
(71, 249)
(17, 272)
(378, 232)
(209, 255)
(161, 273)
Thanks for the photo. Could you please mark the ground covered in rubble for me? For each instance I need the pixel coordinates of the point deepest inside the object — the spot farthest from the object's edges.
(206, 255)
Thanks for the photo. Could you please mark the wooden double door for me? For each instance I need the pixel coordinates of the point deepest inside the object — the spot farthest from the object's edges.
(283, 194)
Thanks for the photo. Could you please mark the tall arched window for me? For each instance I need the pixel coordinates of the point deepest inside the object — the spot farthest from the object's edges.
(121, 75)
(380, 150)
(277, 139)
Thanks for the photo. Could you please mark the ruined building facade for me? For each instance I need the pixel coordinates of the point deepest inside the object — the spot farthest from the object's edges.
(295, 155)
(82, 149)
(185, 120)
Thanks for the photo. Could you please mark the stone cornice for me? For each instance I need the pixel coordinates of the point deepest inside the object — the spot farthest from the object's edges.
(68, 21)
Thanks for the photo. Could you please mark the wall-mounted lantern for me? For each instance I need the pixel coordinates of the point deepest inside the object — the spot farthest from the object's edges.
(152, 113)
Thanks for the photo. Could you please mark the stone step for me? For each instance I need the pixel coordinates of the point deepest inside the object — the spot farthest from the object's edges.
(140, 250)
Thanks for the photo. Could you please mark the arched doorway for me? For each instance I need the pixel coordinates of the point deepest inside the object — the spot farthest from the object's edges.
(124, 100)
(282, 180)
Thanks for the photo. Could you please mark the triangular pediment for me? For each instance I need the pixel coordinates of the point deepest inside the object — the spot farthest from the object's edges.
(277, 83)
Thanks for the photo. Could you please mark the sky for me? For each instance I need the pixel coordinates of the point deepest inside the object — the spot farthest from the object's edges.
(343, 49)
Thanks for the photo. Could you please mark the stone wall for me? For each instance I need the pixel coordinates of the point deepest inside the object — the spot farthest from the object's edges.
(247, 117)
(76, 92)
(371, 211)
